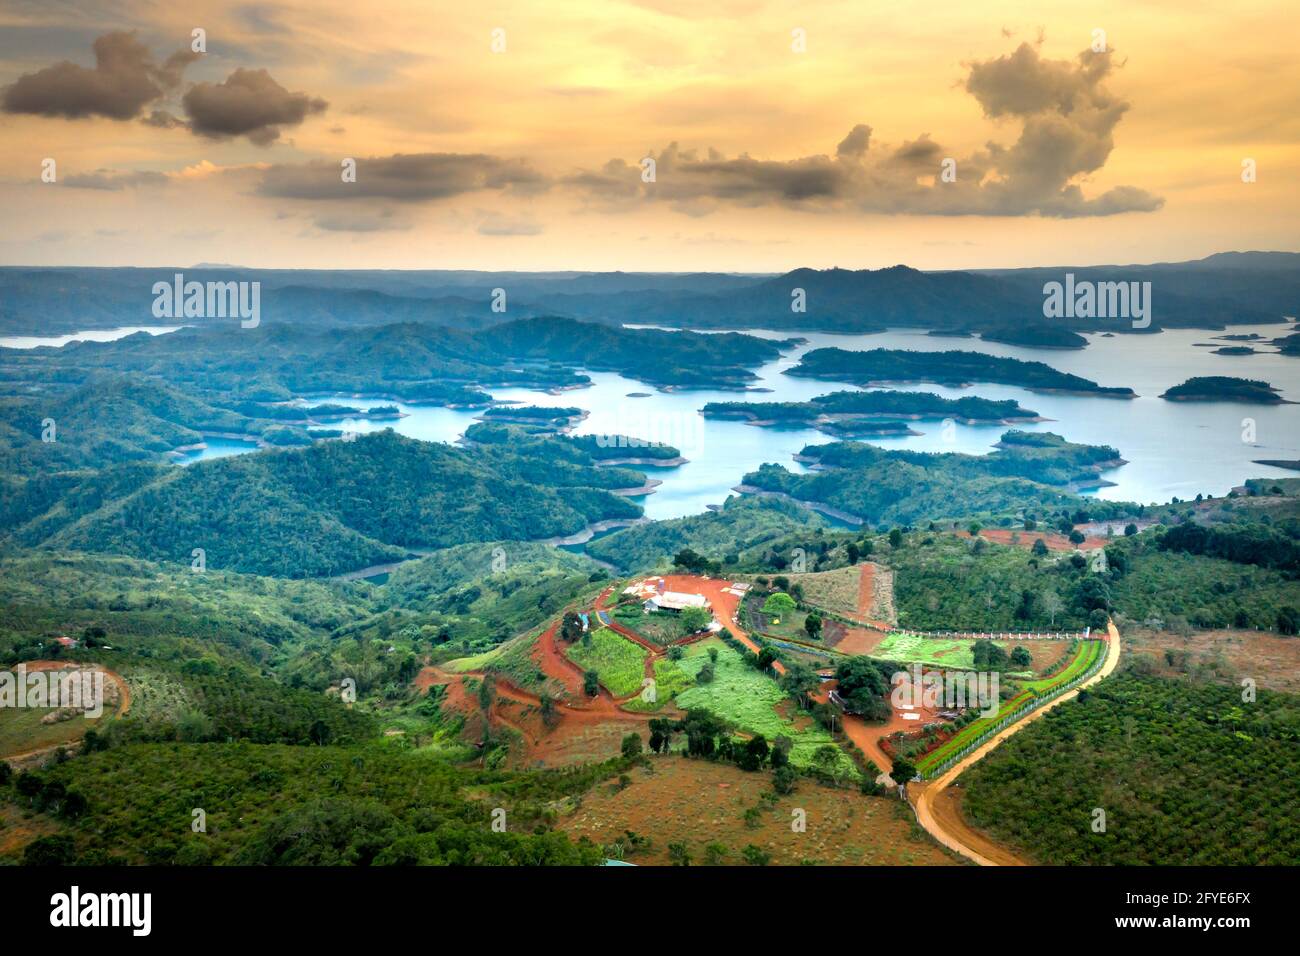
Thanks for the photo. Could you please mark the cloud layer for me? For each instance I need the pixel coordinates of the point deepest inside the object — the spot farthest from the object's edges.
(126, 79)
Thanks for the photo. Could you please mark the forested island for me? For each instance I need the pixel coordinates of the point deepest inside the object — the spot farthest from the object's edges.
(1036, 337)
(954, 368)
(868, 413)
(1224, 388)
(863, 483)
(415, 362)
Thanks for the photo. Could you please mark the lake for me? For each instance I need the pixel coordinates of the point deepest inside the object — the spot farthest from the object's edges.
(91, 335)
(1174, 449)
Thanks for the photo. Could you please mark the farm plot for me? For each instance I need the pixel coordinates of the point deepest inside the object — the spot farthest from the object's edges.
(914, 649)
(752, 701)
(670, 680)
(618, 662)
(1086, 655)
(658, 627)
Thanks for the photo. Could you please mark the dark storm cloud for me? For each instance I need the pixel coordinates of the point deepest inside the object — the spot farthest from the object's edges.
(416, 177)
(124, 80)
(1067, 117)
(248, 103)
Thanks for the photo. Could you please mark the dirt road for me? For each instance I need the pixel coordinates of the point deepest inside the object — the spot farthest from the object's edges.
(941, 815)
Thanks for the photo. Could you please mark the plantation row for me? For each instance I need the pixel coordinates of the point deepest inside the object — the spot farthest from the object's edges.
(1087, 660)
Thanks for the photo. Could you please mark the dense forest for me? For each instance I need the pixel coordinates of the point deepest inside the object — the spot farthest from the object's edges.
(1183, 772)
(413, 361)
(1034, 471)
(338, 506)
(881, 366)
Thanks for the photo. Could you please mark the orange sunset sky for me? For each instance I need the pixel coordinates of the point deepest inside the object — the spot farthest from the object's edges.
(510, 135)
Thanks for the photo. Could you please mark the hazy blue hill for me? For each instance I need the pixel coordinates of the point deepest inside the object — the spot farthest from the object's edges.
(1226, 288)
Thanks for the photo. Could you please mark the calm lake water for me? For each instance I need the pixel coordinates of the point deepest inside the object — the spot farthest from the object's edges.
(92, 335)
(1173, 448)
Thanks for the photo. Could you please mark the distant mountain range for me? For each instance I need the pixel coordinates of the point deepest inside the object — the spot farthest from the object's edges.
(1229, 288)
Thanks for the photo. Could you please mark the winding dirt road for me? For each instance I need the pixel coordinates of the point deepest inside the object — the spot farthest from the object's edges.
(940, 814)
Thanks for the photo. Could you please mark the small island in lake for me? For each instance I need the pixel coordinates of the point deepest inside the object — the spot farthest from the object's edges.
(884, 366)
(1036, 337)
(1224, 388)
(872, 414)
(1234, 350)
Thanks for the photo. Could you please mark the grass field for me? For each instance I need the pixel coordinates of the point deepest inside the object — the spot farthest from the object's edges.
(833, 590)
(619, 662)
(474, 663)
(750, 700)
(941, 652)
(670, 680)
(21, 729)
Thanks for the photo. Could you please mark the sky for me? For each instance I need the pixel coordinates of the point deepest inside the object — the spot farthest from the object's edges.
(645, 135)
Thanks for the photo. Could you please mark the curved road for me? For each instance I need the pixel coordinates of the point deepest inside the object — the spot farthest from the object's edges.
(959, 838)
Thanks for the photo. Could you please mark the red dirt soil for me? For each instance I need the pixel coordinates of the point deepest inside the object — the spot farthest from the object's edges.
(1054, 541)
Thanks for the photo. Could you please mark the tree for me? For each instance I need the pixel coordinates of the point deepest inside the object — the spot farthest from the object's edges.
(988, 656)
(852, 552)
(1288, 620)
(695, 619)
(778, 604)
(754, 753)
(1021, 657)
(1076, 536)
(1130, 529)
(632, 745)
(715, 854)
(784, 779)
(756, 856)
(706, 674)
(812, 624)
(904, 770)
(799, 681)
(975, 528)
(487, 692)
(56, 850)
(591, 683)
(1039, 548)
(547, 706)
(1052, 605)
(895, 538)
(571, 626)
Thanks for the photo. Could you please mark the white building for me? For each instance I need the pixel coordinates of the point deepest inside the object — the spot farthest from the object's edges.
(676, 601)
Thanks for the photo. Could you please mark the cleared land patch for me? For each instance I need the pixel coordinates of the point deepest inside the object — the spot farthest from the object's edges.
(752, 701)
(699, 802)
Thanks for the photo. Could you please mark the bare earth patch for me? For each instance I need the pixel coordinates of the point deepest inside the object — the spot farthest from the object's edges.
(1273, 662)
(697, 803)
